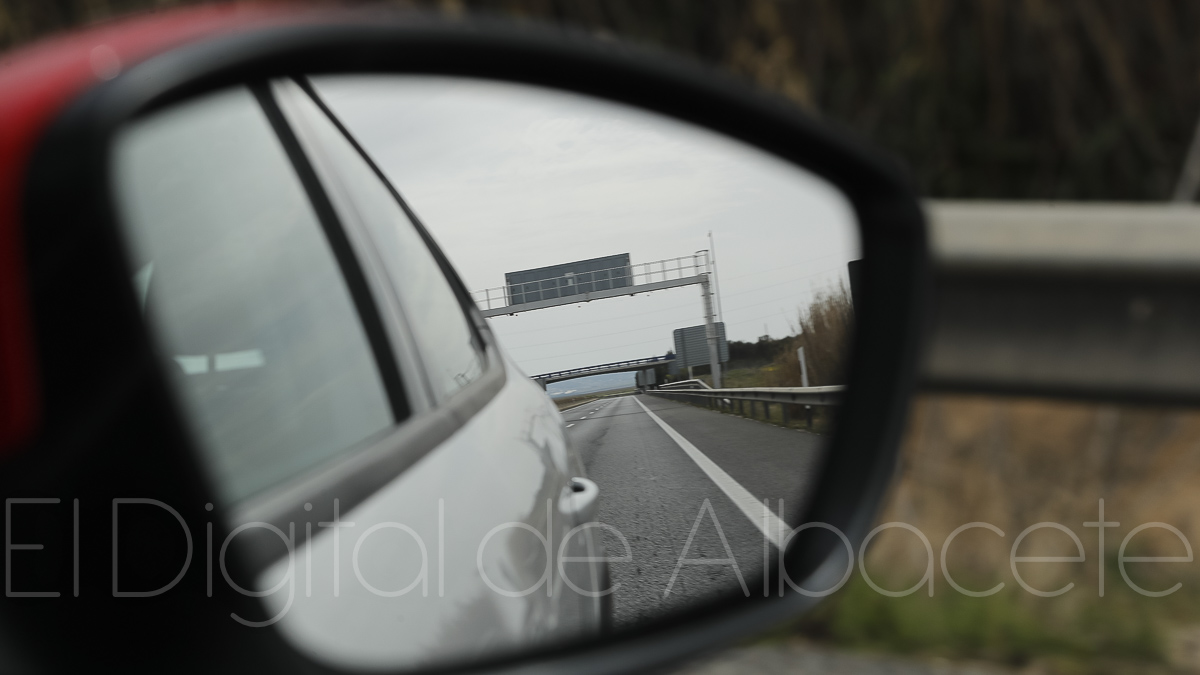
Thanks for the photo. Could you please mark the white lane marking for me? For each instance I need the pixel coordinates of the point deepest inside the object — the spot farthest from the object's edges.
(771, 525)
(570, 425)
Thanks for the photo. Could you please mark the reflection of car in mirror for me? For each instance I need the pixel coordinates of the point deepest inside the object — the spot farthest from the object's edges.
(317, 336)
(296, 426)
(269, 250)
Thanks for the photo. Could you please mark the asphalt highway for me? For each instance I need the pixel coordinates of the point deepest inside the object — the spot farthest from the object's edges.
(654, 490)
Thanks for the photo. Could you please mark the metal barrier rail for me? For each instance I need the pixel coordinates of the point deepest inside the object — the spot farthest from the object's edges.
(1116, 321)
(685, 384)
(830, 395)
(786, 397)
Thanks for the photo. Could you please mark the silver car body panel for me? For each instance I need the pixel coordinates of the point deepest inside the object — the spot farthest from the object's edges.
(442, 563)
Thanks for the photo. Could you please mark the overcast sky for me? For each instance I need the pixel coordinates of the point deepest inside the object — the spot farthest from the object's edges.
(509, 177)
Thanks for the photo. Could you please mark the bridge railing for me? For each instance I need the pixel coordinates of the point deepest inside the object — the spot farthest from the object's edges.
(603, 367)
(635, 274)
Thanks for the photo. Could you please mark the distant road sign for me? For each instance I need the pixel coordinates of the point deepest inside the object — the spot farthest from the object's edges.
(854, 270)
(574, 278)
(691, 346)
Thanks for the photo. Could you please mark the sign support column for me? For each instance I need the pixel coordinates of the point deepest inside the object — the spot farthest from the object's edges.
(710, 329)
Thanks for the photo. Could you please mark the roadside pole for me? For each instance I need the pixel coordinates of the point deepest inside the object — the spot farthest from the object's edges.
(712, 250)
(804, 383)
(710, 329)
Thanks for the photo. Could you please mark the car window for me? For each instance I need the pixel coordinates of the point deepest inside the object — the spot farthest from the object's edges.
(238, 281)
(436, 318)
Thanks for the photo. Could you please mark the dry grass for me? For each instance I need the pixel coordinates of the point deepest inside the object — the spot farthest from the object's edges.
(824, 330)
(1014, 463)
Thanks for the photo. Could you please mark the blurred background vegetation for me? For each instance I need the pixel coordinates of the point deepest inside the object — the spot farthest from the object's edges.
(1008, 99)
(995, 99)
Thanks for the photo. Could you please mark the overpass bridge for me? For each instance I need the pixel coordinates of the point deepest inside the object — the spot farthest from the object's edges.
(618, 367)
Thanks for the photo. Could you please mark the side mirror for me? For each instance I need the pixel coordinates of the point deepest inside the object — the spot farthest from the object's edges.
(366, 342)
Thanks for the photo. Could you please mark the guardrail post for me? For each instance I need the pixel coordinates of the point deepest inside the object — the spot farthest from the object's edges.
(783, 407)
(809, 414)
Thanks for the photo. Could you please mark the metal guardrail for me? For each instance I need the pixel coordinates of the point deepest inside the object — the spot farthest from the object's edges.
(735, 400)
(1092, 300)
(830, 395)
(685, 384)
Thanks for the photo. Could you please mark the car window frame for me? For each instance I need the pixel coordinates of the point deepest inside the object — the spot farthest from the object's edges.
(481, 333)
(354, 474)
(346, 268)
(349, 264)
(394, 324)
(352, 214)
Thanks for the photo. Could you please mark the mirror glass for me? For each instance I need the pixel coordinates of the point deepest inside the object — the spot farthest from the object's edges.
(476, 366)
